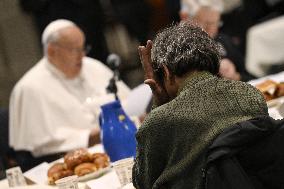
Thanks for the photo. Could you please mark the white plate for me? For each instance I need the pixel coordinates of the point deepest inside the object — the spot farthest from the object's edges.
(275, 102)
(94, 175)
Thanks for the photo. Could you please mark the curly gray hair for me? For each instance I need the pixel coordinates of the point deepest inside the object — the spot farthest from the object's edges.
(185, 47)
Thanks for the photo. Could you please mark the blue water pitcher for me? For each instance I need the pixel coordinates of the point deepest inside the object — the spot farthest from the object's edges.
(117, 132)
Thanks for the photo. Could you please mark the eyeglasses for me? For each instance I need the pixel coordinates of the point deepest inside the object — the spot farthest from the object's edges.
(86, 49)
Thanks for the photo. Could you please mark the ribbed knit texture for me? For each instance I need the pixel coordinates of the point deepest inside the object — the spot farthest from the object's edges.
(174, 137)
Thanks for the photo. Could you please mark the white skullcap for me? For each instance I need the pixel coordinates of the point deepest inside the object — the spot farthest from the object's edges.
(53, 27)
(192, 6)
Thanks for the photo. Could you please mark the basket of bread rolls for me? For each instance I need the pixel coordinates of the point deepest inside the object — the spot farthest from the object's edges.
(270, 89)
(78, 162)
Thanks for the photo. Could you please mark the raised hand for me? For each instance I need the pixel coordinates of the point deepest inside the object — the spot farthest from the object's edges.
(159, 93)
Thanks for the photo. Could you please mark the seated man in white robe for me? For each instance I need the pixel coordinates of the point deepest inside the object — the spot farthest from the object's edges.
(54, 108)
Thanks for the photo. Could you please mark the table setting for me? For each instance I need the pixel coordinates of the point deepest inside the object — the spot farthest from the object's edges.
(117, 175)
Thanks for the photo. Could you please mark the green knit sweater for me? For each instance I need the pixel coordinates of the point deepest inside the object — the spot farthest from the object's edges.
(173, 139)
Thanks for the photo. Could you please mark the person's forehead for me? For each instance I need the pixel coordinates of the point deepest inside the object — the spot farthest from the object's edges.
(72, 35)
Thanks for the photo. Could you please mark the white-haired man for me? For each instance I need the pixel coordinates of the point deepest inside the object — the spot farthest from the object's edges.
(54, 107)
(207, 14)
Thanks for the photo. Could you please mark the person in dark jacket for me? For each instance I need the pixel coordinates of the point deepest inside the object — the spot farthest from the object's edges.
(192, 107)
(247, 155)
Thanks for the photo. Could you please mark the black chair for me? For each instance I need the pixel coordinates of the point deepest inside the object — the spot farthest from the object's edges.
(4, 145)
(248, 155)
(7, 154)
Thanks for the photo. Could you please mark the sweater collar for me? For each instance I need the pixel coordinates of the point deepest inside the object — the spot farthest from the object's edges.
(195, 79)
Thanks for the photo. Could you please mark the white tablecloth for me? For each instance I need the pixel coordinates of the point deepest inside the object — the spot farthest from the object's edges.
(38, 174)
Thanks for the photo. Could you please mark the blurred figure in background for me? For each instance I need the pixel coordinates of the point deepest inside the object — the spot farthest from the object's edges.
(206, 13)
(265, 47)
(246, 13)
(54, 108)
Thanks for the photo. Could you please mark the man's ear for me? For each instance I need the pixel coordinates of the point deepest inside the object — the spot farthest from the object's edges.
(50, 50)
(169, 76)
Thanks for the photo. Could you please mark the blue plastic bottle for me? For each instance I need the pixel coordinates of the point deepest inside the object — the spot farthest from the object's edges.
(117, 132)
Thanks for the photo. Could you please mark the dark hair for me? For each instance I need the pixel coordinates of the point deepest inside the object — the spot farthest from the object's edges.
(185, 47)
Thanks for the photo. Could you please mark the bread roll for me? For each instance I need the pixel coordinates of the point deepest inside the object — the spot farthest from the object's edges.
(279, 90)
(268, 96)
(268, 89)
(85, 168)
(58, 171)
(101, 160)
(76, 157)
(267, 86)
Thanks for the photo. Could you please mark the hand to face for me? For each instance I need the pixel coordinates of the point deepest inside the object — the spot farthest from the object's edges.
(228, 70)
(159, 93)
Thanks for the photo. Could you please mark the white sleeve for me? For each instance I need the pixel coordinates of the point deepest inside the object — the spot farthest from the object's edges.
(33, 125)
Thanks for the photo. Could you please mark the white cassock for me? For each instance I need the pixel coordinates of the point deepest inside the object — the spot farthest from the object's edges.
(51, 114)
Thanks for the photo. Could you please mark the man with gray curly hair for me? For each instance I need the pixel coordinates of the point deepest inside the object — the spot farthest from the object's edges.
(192, 106)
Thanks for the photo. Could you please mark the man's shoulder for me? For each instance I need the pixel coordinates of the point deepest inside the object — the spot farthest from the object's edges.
(159, 115)
(93, 67)
(244, 93)
(94, 63)
(33, 78)
(237, 85)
